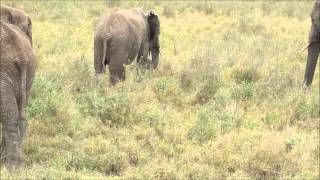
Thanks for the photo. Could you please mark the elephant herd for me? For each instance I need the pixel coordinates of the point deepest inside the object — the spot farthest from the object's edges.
(120, 38)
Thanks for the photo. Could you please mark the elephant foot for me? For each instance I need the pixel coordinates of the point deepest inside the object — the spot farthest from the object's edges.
(146, 65)
(117, 73)
(12, 153)
(306, 88)
(14, 162)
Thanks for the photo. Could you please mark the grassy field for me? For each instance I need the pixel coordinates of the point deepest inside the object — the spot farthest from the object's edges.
(225, 103)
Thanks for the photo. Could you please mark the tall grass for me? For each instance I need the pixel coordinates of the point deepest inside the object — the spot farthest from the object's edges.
(225, 103)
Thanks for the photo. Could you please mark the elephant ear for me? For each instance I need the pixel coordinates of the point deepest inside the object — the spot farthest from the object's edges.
(154, 24)
(315, 14)
(7, 16)
(29, 23)
(29, 31)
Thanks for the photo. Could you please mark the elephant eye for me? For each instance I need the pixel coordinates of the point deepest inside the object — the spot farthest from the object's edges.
(29, 22)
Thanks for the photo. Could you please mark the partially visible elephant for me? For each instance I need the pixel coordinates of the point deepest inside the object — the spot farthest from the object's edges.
(17, 70)
(124, 36)
(314, 45)
(18, 18)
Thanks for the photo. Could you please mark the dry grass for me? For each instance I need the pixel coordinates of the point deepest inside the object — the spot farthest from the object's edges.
(225, 103)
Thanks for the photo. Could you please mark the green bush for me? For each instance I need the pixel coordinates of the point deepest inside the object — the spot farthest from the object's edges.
(243, 91)
(112, 109)
(167, 92)
(214, 120)
(245, 74)
(46, 95)
(204, 72)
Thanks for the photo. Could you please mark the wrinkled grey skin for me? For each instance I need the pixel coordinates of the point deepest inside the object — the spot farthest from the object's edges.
(18, 18)
(314, 46)
(17, 70)
(124, 36)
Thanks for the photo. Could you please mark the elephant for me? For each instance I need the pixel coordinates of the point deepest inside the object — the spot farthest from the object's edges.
(313, 45)
(122, 37)
(17, 71)
(17, 17)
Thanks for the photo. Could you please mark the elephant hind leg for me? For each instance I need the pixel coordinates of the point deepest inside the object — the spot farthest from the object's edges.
(2, 147)
(11, 139)
(117, 73)
(13, 153)
(22, 123)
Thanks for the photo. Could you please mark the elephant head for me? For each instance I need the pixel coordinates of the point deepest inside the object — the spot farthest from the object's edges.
(314, 45)
(154, 25)
(17, 18)
(315, 14)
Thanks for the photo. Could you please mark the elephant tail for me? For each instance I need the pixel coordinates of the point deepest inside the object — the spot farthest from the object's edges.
(23, 102)
(105, 48)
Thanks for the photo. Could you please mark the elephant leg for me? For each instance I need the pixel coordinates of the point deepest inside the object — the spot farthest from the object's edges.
(13, 152)
(10, 118)
(22, 123)
(313, 54)
(2, 146)
(117, 73)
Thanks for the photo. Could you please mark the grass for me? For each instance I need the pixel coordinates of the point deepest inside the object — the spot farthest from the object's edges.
(225, 103)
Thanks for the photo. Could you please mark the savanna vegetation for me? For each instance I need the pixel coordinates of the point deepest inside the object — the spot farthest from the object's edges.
(226, 101)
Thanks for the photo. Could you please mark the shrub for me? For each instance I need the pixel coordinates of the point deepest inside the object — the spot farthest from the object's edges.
(112, 109)
(46, 95)
(80, 75)
(245, 74)
(277, 83)
(204, 69)
(243, 91)
(105, 157)
(214, 120)
(304, 107)
(186, 80)
(167, 92)
(207, 91)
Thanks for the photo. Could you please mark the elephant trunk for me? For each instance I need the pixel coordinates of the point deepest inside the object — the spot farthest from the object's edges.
(98, 56)
(155, 51)
(155, 57)
(313, 54)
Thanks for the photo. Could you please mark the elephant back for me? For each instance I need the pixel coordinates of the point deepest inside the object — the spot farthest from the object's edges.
(16, 48)
(121, 22)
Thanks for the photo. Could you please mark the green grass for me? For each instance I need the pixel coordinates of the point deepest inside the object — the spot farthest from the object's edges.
(225, 103)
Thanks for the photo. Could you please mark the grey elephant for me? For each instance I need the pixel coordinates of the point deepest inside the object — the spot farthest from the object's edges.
(17, 70)
(313, 45)
(124, 36)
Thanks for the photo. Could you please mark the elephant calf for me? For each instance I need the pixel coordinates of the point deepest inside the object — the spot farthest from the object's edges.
(314, 45)
(17, 70)
(124, 36)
